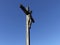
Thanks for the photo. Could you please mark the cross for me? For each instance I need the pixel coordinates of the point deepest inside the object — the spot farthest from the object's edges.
(29, 21)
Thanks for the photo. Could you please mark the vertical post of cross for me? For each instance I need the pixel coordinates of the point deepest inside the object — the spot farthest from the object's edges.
(27, 29)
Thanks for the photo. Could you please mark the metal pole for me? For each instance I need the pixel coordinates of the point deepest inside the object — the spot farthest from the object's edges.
(27, 31)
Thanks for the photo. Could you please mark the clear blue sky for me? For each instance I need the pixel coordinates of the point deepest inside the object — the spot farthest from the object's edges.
(45, 30)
